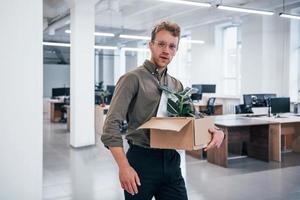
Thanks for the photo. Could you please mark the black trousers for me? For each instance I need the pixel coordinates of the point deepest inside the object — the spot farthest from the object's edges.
(159, 172)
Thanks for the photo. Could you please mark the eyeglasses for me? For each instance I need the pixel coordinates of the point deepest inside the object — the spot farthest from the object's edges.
(163, 44)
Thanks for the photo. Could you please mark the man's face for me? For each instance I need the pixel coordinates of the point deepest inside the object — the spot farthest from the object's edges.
(163, 48)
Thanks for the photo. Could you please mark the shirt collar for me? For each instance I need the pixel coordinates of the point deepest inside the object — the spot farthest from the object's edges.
(152, 68)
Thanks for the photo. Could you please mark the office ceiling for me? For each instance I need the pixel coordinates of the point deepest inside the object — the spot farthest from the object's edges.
(137, 17)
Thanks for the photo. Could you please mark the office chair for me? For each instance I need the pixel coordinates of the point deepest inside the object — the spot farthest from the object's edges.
(210, 110)
(63, 110)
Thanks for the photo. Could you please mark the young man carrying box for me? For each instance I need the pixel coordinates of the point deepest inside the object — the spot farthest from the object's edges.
(145, 172)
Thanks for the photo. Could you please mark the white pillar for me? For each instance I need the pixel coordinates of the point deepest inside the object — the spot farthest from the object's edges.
(108, 67)
(82, 131)
(21, 102)
(120, 65)
(97, 79)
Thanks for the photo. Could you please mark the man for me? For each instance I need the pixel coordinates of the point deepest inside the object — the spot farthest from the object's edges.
(145, 172)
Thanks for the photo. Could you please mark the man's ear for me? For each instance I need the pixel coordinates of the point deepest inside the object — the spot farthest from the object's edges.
(150, 44)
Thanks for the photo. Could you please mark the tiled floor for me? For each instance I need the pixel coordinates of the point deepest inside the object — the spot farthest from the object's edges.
(90, 173)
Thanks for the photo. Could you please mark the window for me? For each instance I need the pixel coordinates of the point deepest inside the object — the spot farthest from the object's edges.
(294, 61)
(231, 61)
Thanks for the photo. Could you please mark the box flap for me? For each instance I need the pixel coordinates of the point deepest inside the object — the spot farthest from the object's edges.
(166, 123)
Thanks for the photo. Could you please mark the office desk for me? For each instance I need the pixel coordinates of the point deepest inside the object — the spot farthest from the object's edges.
(257, 134)
(68, 117)
(286, 128)
(203, 106)
(55, 109)
(100, 114)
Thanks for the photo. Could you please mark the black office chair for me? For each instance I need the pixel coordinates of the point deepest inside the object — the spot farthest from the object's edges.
(210, 110)
(63, 110)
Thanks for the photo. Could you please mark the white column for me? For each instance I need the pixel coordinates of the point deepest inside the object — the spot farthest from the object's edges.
(108, 67)
(21, 103)
(120, 65)
(97, 79)
(82, 131)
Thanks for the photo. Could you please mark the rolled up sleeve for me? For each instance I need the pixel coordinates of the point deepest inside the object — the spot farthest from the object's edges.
(126, 89)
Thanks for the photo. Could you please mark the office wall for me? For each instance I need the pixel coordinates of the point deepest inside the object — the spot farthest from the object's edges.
(106, 67)
(131, 61)
(21, 85)
(251, 53)
(265, 55)
(206, 58)
(55, 76)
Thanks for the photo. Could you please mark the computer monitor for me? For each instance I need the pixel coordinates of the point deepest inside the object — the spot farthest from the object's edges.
(197, 96)
(257, 100)
(208, 88)
(247, 100)
(198, 87)
(56, 92)
(280, 105)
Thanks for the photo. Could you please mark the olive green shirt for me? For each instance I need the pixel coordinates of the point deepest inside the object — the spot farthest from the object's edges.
(136, 99)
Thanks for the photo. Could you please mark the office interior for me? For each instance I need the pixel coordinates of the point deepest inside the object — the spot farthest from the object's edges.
(58, 76)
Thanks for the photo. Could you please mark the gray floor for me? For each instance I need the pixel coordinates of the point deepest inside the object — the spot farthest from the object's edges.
(90, 173)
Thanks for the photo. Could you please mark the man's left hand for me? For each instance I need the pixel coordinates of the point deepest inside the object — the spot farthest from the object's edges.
(217, 138)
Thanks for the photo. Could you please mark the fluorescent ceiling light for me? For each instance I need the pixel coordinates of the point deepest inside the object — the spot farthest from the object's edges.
(289, 16)
(105, 47)
(134, 49)
(191, 3)
(135, 37)
(194, 41)
(57, 44)
(253, 11)
(97, 33)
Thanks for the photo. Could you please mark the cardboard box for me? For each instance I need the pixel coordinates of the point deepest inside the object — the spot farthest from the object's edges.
(179, 132)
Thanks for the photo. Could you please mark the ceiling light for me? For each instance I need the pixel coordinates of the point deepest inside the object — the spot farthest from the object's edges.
(134, 49)
(105, 47)
(57, 44)
(97, 33)
(194, 41)
(135, 37)
(191, 3)
(253, 11)
(289, 16)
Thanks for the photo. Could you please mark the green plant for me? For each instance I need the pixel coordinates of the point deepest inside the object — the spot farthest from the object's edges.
(180, 104)
(103, 93)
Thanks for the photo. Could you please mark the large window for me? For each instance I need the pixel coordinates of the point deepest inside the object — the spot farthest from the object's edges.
(294, 61)
(231, 61)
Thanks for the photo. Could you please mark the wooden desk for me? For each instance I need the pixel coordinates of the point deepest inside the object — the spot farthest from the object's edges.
(100, 114)
(257, 134)
(286, 128)
(68, 117)
(55, 109)
(202, 106)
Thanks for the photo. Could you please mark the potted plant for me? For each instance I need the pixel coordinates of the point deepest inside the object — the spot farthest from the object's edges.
(103, 94)
(180, 104)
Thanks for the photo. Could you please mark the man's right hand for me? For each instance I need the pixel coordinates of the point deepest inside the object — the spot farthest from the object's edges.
(129, 179)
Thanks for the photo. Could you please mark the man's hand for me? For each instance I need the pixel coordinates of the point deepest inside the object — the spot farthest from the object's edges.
(217, 138)
(129, 179)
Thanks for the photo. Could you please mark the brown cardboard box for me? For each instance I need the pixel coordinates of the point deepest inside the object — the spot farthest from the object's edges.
(179, 132)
